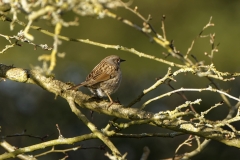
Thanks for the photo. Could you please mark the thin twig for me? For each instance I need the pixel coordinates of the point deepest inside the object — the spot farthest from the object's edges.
(189, 90)
(154, 86)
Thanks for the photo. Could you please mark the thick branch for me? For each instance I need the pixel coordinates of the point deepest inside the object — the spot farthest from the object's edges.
(167, 119)
(10, 148)
(93, 128)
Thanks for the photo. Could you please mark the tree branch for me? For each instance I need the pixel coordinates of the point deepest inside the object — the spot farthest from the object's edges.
(169, 119)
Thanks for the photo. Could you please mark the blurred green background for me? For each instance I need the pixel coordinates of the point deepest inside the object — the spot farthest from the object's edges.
(25, 106)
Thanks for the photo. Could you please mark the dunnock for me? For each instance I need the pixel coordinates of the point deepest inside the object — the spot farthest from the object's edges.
(105, 78)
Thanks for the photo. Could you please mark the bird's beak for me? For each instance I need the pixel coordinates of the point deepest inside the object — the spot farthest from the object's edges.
(122, 60)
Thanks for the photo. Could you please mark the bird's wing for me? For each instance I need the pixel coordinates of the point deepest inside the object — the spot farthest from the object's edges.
(99, 78)
(92, 80)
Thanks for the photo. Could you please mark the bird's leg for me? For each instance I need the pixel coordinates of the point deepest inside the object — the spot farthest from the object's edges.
(109, 99)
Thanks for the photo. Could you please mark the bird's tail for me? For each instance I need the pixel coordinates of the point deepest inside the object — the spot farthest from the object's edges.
(76, 87)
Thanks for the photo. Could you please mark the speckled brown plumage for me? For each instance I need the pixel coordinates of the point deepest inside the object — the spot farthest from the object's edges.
(105, 78)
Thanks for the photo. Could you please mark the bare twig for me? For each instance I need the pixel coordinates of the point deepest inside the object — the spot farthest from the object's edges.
(146, 152)
(59, 132)
(47, 144)
(154, 86)
(147, 135)
(190, 90)
(197, 150)
(23, 134)
(55, 150)
(208, 110)
(187, 142)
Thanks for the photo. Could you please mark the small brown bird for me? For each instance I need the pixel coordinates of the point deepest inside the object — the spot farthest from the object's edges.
(105, 78)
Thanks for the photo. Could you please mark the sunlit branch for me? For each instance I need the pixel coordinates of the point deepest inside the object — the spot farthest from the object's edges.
(189, 90)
